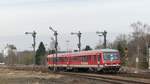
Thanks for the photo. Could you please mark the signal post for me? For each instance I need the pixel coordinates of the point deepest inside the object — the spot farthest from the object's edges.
(149, 56)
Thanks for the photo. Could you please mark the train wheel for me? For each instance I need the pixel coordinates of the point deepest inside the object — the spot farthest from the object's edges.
(75, 69)
(91, 70)
(50, 68)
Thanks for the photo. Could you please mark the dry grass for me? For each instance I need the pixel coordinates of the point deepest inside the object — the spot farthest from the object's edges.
(10, 76)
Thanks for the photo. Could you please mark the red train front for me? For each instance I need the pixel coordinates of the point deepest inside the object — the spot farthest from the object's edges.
(106, 60)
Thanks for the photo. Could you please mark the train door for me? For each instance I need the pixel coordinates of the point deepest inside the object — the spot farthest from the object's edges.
(99, 58)
(84, 60)
(68, 59)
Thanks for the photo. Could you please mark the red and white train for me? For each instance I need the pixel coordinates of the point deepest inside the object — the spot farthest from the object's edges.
(107, 60)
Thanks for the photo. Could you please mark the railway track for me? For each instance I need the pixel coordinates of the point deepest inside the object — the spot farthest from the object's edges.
(111, 78)
(108, 78)
(135, 75)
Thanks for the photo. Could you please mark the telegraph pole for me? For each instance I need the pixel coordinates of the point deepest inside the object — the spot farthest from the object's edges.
(137, 59)
(67, 45)
(79, 37)
(105, 35)
(149, 56)
(34, 43)
(56, 43)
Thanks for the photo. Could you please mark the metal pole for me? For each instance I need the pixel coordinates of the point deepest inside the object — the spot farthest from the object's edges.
(105, 35)
(56, 44)
(34, 43)
(67, 45)
(149, 56)
(79, 45)
(105, 44)
(137, 59)
(79, 36)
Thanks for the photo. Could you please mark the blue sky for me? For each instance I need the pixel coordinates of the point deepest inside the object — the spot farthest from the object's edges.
(88, 16)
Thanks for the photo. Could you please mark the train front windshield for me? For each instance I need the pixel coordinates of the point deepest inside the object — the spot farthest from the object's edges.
(110, 56)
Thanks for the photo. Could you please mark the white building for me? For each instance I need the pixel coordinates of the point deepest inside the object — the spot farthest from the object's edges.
(8, 49)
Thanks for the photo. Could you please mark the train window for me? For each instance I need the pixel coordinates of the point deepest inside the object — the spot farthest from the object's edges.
(54, 59)
(84, 58)
(61, 59)
(50, 59)
(64, 59)
(111, 56)
(75, 59)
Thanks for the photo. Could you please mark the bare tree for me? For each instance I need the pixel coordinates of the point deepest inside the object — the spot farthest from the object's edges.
(138, 44)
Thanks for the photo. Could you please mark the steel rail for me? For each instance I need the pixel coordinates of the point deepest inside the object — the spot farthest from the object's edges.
(117, 79)
(106, 78)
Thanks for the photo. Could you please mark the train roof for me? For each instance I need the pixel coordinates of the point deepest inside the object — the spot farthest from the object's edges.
(109, 50)
(90, 52)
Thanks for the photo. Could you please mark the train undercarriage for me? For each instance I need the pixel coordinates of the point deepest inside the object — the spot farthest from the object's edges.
(110, 69)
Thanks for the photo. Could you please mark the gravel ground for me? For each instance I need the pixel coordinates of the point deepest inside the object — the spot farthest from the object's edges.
(28, 77)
